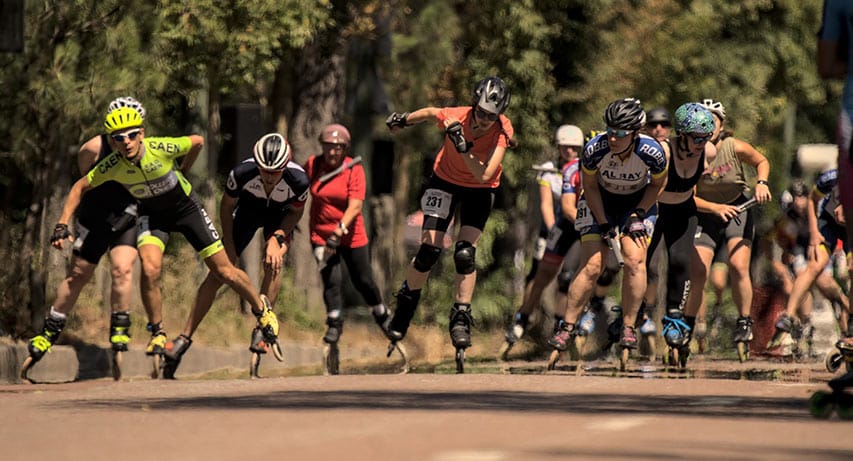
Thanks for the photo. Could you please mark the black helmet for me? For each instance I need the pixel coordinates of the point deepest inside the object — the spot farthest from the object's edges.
(658, 115)
(491, 95)
(798, 188)
(625, 114)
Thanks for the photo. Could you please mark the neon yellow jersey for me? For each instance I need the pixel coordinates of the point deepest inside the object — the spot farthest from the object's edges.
(156, 182)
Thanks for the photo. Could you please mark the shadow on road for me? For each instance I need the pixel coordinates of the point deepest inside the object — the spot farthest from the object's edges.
(703, 405)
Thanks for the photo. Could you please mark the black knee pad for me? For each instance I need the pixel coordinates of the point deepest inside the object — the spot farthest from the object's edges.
(606, 277)
(564, 279)
(464, 257)
(120, 319)
(426, 258)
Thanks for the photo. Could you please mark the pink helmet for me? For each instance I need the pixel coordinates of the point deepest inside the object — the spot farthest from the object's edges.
(336, 134)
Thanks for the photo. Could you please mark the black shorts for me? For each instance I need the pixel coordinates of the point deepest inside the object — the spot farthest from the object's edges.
(247, 223)
(441, 199)
(189, 218)
(91, 242)
(712, 232)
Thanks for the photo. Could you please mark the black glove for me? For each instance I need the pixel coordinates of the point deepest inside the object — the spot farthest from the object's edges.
(333, 242)
(635, 227)
(396, 120)
(60, 232)
(454, 132)
(606, 230)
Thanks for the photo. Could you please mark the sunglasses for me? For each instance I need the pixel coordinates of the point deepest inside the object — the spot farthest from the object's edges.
(619, 133)
(487, 115)
(657, 124)
(129, 135)
(699, 139)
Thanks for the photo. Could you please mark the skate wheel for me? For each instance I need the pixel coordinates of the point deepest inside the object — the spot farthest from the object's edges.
(743, 351)
(650, 342)
(821, 404)
(575, 347)
(504, 352)
(276, 351)
(331, 360)
(25, 369)
(254, 365)
(833, 361)
(623, 359)
(675, 362)
(158, 363)
(404, 356)
(116, 365)
(682, 361)
(460, 361)
(552, 360)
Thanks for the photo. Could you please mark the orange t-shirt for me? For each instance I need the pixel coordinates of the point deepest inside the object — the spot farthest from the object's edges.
(449, 165)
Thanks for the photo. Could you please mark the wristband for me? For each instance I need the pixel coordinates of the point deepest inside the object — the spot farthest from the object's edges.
(639, 212)
(343, 227)
(281, 239)
(762, 181)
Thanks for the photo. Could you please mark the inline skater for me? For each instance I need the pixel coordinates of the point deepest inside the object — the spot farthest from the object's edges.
(148, 169)
(267, 191)
(623, 173)
(466, 173)
(722, 223)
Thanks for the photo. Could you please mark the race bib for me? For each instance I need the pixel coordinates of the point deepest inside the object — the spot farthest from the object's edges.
(436, 203)
(584, 216)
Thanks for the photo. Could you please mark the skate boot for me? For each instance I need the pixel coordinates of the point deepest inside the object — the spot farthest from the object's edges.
(173, 353)
(460, 332)
(257, 344)
(676, 333)
(334, 330)
(41, 343)
(157, 343)
(516, 330)
(562, 337)
(742, 337)
(648, 328)
(380, 316)
(268, 324)
(460, 325)
(119, 331)
(614, 328)
(407, 302)
(627, 341)
(784, 326)
(119, 338)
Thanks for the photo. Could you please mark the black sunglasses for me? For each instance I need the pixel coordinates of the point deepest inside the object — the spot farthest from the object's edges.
(488, 115)
(656, 124)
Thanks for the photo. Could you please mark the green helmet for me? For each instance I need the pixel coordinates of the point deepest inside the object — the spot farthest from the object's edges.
(693, 118)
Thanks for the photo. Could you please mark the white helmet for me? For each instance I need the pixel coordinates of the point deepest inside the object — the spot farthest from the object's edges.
(127, 101)
(716, 107)
(569, 135)
(272, 152)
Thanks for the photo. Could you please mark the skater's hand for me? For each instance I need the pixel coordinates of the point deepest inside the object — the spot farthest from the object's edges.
(636, 229)
(60, 234)
(332, 244)
(815, 241)
(839, 215)
(274, 257)
(726, 212)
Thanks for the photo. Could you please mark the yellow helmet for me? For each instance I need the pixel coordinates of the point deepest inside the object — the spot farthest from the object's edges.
(122, 118)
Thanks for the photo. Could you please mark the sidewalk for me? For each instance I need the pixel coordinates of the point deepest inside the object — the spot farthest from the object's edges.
(67, 363)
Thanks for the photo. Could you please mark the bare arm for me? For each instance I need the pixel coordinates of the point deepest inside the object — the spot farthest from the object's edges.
(354, 207)
(484, 171)
(546, 205)
(88, 154)
(190, 158)
(418, 116)
(748, 154)
(569, 206)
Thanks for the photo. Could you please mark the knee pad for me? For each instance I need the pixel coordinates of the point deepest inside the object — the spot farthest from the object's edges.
(563, 281)
(464, 257)
(426, 258)
(606, 277)
(120, 319)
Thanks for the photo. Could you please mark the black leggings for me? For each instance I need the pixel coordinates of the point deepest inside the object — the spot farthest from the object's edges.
(676, 225)
(361, 275)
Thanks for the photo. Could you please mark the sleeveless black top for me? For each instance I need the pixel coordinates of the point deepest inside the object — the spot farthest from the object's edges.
(676, 183)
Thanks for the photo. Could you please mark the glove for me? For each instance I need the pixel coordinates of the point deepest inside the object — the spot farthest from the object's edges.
(333, 242)
(635, 227)
(606, 230)
(454, 132)
(60, 232)
(396, 120)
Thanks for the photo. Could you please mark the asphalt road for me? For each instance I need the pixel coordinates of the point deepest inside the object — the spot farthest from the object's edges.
(506, 412)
